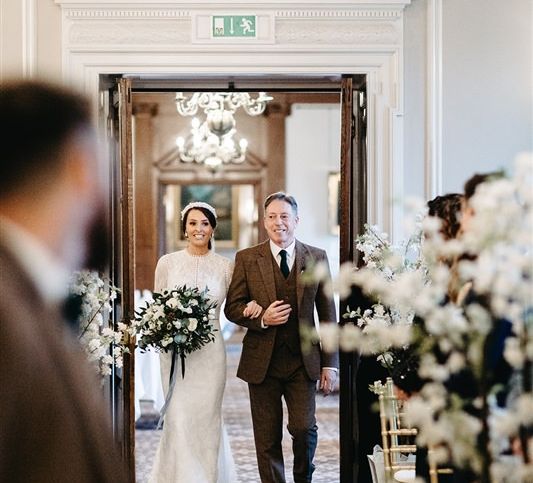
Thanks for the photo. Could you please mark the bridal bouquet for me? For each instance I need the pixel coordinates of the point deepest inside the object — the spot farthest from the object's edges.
(177, 320)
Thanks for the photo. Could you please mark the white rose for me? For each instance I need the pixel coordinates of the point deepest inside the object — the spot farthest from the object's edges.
(193, 323)
(172, 303)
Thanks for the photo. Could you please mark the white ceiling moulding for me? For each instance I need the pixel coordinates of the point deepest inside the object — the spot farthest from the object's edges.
(313, 37)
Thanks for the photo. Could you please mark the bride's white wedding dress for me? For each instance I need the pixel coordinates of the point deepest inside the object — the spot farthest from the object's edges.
(194, 446)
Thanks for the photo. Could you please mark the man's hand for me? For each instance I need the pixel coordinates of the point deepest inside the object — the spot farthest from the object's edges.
(252, 310)
(328, 377)
(277, 313)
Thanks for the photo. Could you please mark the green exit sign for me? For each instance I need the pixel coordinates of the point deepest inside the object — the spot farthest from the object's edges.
(234, 26)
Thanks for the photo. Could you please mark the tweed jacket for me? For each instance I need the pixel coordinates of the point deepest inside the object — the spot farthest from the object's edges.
(52, 420)
(253, 279)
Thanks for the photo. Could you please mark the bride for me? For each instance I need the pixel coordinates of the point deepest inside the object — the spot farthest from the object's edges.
(194, 446)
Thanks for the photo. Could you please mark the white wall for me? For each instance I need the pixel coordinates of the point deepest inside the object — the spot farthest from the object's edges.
(487, 78)
(487, 86)
(30, 39)
(486, 91)
(414, 96)
(313, 141)
(10, 38)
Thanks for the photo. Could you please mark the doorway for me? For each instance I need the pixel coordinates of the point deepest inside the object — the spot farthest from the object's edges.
(153, 184)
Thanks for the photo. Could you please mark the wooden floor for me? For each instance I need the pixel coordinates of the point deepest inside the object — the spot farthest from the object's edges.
(238, 422)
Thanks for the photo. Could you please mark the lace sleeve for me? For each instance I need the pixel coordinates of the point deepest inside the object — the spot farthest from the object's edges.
(228, 272)
(161, 271)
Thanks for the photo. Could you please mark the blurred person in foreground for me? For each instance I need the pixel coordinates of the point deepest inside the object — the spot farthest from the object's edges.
(53, 426)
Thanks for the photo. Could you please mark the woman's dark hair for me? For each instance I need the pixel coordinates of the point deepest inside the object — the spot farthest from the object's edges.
(473, 182)
(211, 218)
(447, 208)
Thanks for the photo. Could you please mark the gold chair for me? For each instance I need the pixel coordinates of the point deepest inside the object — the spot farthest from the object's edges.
(434, 471)
(392, 432)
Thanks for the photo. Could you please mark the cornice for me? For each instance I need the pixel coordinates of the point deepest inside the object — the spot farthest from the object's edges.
(316, 10)
(76, 13)
(126, 14)
(273, 4)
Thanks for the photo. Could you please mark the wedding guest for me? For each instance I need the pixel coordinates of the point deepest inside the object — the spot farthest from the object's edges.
(471, 184)
(52, 419)
(447, 208)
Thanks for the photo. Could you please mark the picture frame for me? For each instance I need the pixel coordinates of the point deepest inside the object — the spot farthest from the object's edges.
(223, 197)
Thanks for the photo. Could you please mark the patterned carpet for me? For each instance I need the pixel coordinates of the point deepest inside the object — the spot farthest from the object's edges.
(236, 411)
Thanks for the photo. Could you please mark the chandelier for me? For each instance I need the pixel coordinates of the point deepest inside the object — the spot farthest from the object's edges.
(213, 150)
(211, 142)
(221, 101)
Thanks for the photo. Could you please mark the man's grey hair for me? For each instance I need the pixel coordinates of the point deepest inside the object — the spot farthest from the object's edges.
(280, 195)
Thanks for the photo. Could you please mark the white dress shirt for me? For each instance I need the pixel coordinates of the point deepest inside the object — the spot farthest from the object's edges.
(290, 253)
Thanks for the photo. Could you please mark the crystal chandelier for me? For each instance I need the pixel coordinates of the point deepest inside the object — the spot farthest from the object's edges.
(211, 142)
(219, 107)
(213, 150)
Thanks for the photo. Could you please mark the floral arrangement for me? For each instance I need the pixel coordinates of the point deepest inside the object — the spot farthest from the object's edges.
(177, 320)
(382, 330)
(387, 328)
(103, 345)
(476, 351)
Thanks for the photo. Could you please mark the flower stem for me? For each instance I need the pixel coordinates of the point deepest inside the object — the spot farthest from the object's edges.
(96, 312)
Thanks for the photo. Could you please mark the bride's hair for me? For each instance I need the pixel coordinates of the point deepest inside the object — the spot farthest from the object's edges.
(209, 215)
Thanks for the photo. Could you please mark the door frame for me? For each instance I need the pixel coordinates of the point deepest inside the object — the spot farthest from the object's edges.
(353, 213)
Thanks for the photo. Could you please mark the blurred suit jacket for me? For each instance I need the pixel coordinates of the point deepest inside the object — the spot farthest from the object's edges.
(53, 427)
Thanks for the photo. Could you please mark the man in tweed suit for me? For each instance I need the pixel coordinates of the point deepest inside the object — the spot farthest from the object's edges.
(273, 361)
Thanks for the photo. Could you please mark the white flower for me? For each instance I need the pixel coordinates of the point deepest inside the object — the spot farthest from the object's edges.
(108, 332)
(192, 324)
(94, 344)
(329, 337)
(172, 303)
(513, 353)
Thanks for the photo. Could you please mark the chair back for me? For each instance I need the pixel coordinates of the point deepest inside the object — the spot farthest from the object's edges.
(434, 470)
(397, 440)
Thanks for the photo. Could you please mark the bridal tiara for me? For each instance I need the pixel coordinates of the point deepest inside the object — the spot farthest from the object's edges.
(198, 204)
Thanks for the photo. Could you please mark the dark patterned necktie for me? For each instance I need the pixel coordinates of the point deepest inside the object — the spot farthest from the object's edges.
(283, 264)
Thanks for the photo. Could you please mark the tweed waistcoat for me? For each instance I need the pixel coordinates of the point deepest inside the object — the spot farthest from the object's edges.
(287, 334)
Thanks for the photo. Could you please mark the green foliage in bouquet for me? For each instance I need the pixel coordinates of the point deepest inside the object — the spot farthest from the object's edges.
(177, 319)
